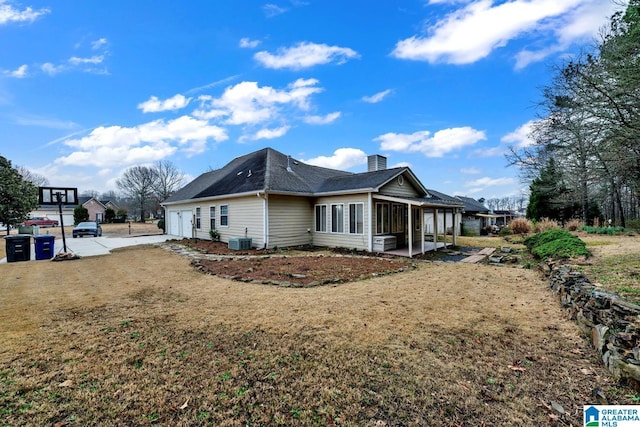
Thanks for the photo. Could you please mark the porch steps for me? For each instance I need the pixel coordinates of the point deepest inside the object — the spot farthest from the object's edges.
(472, 259)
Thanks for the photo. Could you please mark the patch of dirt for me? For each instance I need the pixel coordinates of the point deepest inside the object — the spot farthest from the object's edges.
(303, 270)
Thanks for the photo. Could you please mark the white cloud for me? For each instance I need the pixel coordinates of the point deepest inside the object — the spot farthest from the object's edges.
(8, 13)
(96, 59)
(474, 30)
(248, 43)
(98, 44)
(271, 10)
(499, 150)
(268, 133)
(521, 136)
(18, 73)
(343, 158)
(490, 182)
(249, 104)
(115, 145)
(305, 55)
(155, 105)
(441, 143)
(322, 120)
(45, 122)
(375, 98)
(52, 69)
(470, 171)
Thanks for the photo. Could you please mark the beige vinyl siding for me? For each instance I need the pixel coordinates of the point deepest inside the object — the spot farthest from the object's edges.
(290, 221)
(393, 188)
(343, 240)
(244, 213)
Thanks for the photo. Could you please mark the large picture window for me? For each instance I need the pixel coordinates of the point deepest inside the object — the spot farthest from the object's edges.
(397, 218)
(356, 218)
(337, 218)
(382, 218)
(224, 215)
(212, 217)
(198, 217)
(321, 218)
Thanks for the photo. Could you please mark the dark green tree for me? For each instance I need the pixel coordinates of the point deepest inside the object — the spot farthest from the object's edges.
(109, 215)
(549, 197)
(18, 197)
(80, 213)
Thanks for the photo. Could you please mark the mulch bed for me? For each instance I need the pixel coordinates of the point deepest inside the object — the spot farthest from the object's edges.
(300, 267)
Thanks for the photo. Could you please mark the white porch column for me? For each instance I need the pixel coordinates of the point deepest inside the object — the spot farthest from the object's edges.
(422, 224)
(455, 226)
(410, 225)
(445, 227)
(370, 224)
(435, 229)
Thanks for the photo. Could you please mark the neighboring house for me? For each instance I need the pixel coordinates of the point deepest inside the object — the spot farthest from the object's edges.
(476, 217)
(52, 212)
(503, 218)
(97, 208)
(277, 201)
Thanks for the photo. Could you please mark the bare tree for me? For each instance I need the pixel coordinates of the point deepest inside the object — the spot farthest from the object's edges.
(138, 184)
(169, 179)
(32, 177)
(90, 193)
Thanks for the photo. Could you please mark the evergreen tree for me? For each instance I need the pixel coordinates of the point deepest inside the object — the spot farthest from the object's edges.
(18, 197)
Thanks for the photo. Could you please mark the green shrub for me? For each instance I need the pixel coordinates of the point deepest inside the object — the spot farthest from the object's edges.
(556, 243)
(80, 213)
(505, 231)
(603, 230)
(633, 224)
(161, 224)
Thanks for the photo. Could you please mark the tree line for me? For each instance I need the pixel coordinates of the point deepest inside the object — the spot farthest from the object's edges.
(142, 189)
(584, 161)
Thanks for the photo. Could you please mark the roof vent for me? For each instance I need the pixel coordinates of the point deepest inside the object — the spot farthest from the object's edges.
(376, 162)
(289, 164)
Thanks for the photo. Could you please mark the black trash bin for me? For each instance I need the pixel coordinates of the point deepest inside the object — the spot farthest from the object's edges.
(44, 246)
(18, 247)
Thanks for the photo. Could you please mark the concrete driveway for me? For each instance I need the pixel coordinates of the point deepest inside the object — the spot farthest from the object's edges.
(92, 246)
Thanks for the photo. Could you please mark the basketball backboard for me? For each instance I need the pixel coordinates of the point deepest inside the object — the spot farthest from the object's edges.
(49, 195)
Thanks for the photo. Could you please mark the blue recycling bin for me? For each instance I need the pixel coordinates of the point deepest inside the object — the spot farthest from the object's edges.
(44, 246)
(18, 247)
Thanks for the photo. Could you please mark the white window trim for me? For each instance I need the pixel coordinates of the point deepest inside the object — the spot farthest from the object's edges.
(349, 216)
(198, 217)
(315, 218)
(227, 215)
(331, 216)
(215, 216)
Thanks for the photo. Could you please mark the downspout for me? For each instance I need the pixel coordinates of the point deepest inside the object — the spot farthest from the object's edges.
(370, 225)
(265, 219)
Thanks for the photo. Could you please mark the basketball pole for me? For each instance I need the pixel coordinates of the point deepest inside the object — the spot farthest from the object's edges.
(59, 200)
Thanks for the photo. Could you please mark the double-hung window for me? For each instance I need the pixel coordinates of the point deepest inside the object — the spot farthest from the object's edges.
(337, 218)
(321, 218)
(198, 216)
(224, 215)
(212, 217)
(356, 218)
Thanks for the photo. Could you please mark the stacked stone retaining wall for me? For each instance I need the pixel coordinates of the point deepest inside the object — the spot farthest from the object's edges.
(612, 324)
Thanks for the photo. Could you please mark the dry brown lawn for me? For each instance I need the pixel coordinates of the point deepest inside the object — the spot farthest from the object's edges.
(139, 337)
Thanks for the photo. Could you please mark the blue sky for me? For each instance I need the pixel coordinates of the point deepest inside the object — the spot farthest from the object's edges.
(88, 89)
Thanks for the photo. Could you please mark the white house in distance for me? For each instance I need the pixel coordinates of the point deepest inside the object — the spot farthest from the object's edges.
(277, 201)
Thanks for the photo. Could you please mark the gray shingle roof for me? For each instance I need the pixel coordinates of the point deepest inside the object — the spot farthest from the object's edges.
(472, 205)
(271, 171)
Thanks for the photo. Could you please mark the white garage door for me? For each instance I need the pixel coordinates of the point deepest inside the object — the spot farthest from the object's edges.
(174, 223)
(186, 224)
